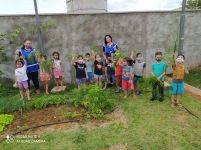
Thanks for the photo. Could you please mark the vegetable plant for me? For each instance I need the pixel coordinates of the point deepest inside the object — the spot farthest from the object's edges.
(5, 119)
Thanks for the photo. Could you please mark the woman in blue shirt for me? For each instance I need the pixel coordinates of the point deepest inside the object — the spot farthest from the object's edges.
(109, 47)
(32, 69)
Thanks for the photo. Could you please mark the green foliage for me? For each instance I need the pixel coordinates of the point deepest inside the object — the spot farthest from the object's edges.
(71, 55)
(32, 55)
(5, 119)
(45, 100)
(144, 83)
(119, 54)
(194, 77)
(46, 65)
(71, 115)
(193, 4)
(93, 99)
(42, 27)
(95, 49)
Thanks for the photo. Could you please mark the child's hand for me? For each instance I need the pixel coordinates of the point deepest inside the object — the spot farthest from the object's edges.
(115, 47)
(133, 51)
(22, 57)
(62, 69)
(158, 78)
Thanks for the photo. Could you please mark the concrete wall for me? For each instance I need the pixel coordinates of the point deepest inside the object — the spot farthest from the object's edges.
(86, 6)
(147, 32)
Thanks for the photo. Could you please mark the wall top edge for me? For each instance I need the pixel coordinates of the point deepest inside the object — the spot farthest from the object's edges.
(119, 12)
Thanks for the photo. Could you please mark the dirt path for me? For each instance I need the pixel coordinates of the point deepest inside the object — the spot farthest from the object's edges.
(193, 95)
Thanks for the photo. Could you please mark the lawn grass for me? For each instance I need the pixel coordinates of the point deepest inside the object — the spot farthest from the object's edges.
(151, 126)
(194, 78)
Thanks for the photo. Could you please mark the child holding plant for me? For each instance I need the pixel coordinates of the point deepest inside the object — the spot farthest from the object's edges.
(139, 70)
(98, 68)
(21, 77)
(45, 71)
(81, 71)
(58, 69)
(158, 70)
(127, 74)
(177, 85)
(109, 70)
(88, 67)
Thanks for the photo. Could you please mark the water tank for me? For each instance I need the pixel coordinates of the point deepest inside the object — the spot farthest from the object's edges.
(86, 6)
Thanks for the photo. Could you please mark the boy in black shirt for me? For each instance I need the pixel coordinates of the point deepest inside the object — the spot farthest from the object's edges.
(109, 71)
(81, 72)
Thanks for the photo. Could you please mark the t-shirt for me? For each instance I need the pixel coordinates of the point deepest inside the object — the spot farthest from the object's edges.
(158, 69)
(57, 65)
(21, 74)
(126, 72)
(110, 69)
(108, 49)
(119, 68)
(80, 70)
(98, 68)
(178, 72)
(88, 66)
(138, 68)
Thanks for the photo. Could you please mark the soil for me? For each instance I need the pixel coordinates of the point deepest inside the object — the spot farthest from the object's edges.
(55, 114)
(193, 95)
(120, 147)
(182, 118)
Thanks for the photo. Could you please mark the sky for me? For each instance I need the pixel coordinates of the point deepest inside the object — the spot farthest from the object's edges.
(59, 6)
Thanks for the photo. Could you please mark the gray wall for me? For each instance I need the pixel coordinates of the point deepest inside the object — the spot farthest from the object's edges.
(147, 32)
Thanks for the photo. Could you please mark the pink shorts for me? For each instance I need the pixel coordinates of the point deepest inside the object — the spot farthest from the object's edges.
(22, 84)
(44, 77)
(57, 74)
(126, 85)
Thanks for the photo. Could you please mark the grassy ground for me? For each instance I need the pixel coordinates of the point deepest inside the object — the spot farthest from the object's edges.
(194, 78)
(151, 125)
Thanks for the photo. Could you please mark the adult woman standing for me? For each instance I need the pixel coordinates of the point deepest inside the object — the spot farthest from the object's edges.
(32, 69)
(108, 47)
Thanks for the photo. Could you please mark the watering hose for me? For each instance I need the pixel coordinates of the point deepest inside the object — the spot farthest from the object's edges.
(182, 105)
(61, 122)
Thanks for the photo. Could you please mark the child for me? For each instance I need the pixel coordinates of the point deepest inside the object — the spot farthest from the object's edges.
(81, 71)
(89, 68)
(44, 75)
(21, 77)
(139, 70)
(177, 85)
(127, 82)
(58, 69)
(98, 68)
(158, 69)
(109, 70)
(118, 73)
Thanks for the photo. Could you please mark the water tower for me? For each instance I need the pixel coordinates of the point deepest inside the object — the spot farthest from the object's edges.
(86, 6)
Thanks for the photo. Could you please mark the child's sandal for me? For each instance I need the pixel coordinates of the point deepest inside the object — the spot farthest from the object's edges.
(178, 104)
(172, 105)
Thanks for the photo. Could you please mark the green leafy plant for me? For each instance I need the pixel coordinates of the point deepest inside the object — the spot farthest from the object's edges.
(46, 65)
(119, 54)
(5, 119)
(95, 49)
(93, 99)
(42, 27)
(71, 55)
(32, 55)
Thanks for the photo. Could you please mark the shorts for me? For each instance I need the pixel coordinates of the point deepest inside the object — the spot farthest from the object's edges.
(111, 76)
(177, 88)
(118, 80)
(81, 81)
(126, 85)
(97, 76)
(57, 74)
(44, 77)
(135, 79)
(89, 76)
(22, 84)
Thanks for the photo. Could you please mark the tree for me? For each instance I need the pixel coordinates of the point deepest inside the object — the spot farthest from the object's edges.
(193, 4)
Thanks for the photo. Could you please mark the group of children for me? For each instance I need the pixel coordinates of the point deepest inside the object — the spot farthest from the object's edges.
(45, 75)
(124, 72)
